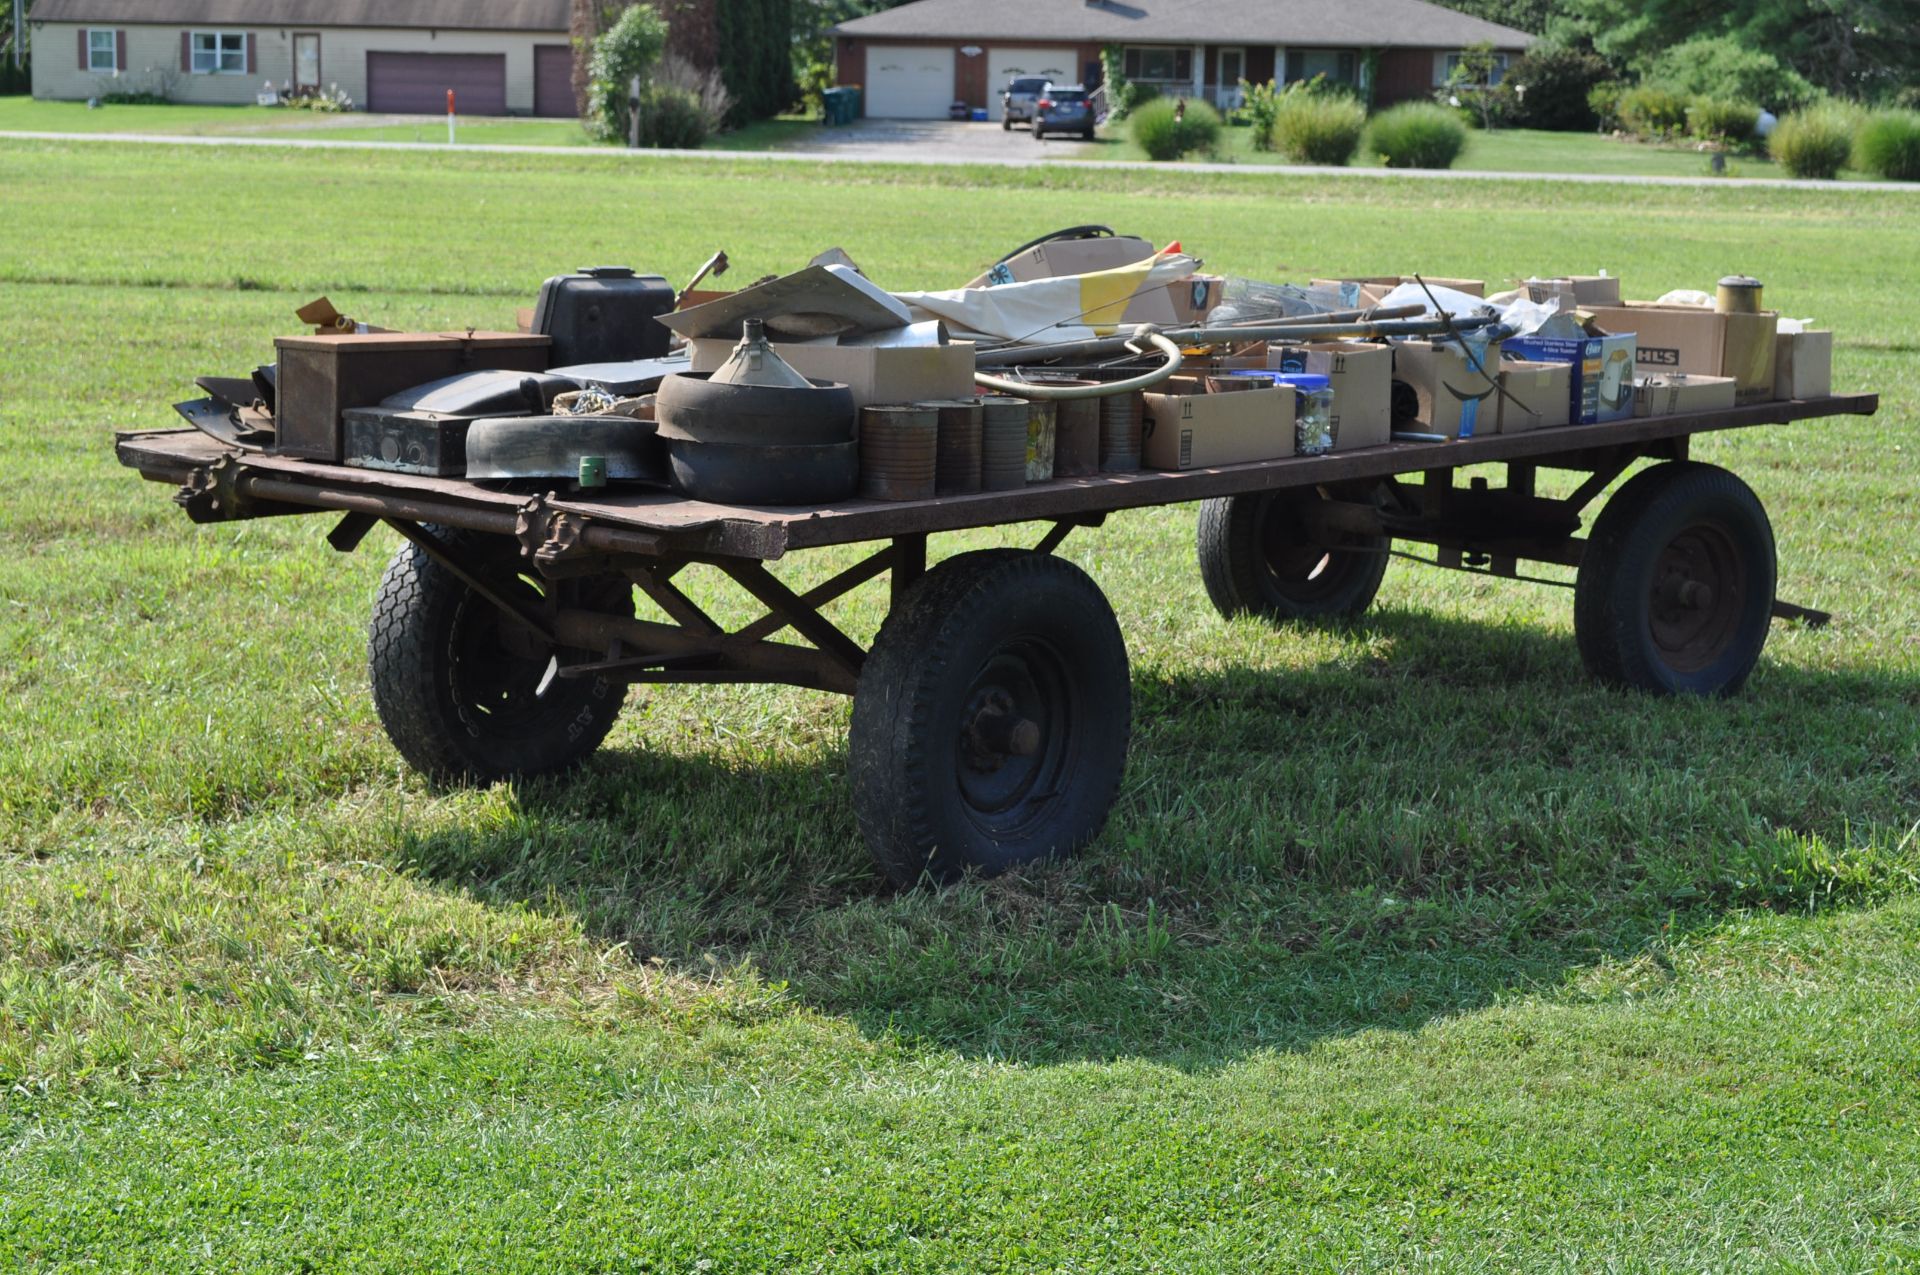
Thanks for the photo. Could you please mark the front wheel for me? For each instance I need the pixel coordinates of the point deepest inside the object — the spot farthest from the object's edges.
(1259, 556)
(991, 719)
(1675, 589)
(470, 695)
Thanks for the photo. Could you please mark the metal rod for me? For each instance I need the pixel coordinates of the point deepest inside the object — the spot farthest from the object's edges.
(1010, 356)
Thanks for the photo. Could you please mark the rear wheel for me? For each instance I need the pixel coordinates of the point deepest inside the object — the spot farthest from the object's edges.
(466, 692)
(1006, 123)
(990, 723)
(1259, 556)
(1675, 590)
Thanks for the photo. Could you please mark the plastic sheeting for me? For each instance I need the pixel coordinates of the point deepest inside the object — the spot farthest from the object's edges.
(1070, 308)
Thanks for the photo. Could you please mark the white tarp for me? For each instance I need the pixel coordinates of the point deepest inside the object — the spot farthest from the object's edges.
(1070, 308)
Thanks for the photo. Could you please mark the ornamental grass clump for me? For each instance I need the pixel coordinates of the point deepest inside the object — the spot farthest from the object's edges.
(1814, 143)
(1722, 119)
(1417, 135)
(1889, 146)
(1318, 128)
(1167, 129)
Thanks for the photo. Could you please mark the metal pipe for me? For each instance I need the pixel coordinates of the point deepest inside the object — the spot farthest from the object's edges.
(1011, 356)
(321, 496)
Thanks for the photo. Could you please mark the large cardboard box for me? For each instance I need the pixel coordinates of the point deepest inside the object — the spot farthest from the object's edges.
(1575, 292)
(1803, 364)
(1067, 256)
(1602, 381)
(1672, 393)
(1541, 395)
(1195, 297)
(1455, 399)
(1679, 338)
(1361, 377)
(875, 374)
(1191, 429)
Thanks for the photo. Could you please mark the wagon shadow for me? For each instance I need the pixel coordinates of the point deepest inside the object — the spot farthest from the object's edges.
(1228, 908)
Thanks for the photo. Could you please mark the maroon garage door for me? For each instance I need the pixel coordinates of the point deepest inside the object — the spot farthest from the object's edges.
(417, 83)
(553, 81)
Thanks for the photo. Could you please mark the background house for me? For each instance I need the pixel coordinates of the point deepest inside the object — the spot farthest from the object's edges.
(499, 56)
(915, 61)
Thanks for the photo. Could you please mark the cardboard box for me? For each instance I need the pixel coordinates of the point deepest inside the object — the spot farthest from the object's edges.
(1576, 292)
(1065, 257)
(1455, 399)
(1671, 393)
(1356, 293)
(875, 374)
(1803, 364)
(1542, 395)
(1191, 429)
(1679, 338)
(1195, 297)
(1362, 381)
(1602, 379)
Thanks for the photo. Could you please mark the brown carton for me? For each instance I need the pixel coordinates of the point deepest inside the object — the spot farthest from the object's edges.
(1191, 429)
(1676, 393)
(1803, 364)
(1361, 377)
(1697, 340)
(1538, 395)
(875, 374)
(1065, 257)
(1451, 391)
(1575, 292)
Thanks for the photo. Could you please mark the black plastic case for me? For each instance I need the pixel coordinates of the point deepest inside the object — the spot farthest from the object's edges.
(604, 314)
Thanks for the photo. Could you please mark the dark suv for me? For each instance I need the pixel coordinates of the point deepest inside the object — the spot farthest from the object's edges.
(1063, 108)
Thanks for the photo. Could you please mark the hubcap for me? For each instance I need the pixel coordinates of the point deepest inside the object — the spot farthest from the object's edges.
(1698, 594)
(1016, 737)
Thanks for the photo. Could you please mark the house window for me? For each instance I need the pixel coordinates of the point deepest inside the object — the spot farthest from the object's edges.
(219, 53)
(1445, 65)
(1159, 65)
(1339, 66)
(103, 52)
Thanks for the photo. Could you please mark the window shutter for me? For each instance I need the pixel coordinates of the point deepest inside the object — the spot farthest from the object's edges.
(83, 48)
(186, 50)
(249, 53)
(120, 50)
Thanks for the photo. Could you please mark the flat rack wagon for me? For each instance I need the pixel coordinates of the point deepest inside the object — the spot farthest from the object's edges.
(991, 712)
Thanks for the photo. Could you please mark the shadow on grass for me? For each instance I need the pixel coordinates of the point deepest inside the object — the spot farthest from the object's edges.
(1439, 815)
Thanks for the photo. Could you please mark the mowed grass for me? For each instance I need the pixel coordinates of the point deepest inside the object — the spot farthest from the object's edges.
(1405, 946)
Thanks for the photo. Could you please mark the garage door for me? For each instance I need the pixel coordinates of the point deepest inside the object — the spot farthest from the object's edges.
(908, 83)
(417, 83)
(1058, 65)
(553, 81)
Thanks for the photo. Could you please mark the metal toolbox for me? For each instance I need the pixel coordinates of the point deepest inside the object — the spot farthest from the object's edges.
(604, 314)
(407, 442)
(319, 377)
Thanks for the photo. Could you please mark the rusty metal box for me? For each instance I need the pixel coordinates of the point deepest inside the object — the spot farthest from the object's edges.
(319, 377)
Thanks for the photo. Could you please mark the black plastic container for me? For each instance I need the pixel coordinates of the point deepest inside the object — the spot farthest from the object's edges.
(604, 314)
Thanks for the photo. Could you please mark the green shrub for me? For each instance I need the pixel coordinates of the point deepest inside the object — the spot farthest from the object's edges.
(671, 118)
(1315, 128)
(1653, 110)
(1720, 118)
(1558, 86)
(1417, 135)
(629, 47)
(1888, 146)
(1718, 66)
(1166, 129)
(1603, 99)
(1262, 104)
(1816, 142)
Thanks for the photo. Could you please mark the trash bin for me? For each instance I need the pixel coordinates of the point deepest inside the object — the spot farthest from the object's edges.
(840, 105)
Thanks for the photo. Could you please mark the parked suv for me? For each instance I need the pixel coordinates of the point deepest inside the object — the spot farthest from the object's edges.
(1063, 108)
(1017, 101)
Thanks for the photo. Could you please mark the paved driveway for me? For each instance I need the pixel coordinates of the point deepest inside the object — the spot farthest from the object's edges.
(942, 141)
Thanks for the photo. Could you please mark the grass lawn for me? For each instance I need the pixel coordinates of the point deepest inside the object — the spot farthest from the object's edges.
(1511, 150)
(1406, 946)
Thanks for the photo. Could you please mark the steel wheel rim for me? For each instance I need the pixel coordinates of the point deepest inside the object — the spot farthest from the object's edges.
(1296, 568)
(500, 672)
(1002, 791)
(1696, 598)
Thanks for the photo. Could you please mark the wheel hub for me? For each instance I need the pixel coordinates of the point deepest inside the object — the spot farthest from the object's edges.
(1015, 736)
(1697, 595)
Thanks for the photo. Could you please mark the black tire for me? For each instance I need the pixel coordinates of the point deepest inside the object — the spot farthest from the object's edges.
(1258, 558)
(1038, 132)
(1675, 590)
(991, 720)
(1006, 123)
(468, 696)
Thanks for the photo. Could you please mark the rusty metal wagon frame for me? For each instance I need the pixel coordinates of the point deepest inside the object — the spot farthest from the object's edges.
(1297, 538)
